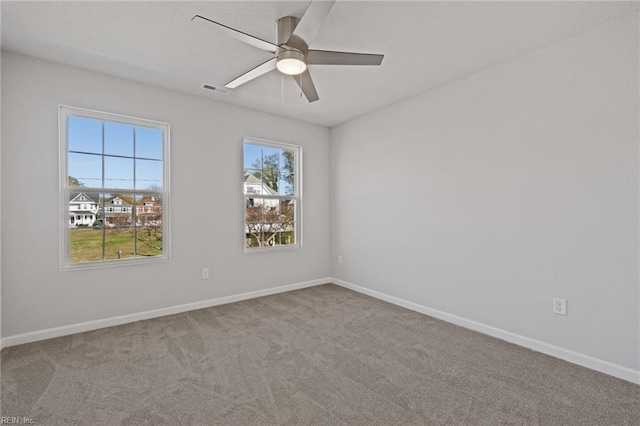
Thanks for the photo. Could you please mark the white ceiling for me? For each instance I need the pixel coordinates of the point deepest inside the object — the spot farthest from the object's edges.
(426, 44)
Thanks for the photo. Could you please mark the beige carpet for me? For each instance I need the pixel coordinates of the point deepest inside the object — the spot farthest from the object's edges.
(323, 355)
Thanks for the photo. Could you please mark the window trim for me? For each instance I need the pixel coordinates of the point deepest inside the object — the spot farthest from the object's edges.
(64, 111)
(298, 197)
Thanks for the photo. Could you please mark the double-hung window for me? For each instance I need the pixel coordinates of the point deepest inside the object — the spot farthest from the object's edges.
(272, 195)
(112, 168)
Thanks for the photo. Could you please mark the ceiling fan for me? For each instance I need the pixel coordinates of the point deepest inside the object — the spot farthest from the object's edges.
(291, 51)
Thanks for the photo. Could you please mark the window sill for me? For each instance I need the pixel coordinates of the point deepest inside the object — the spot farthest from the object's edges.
(112, 263)
(271, 249)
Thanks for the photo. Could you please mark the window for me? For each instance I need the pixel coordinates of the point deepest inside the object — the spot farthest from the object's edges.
(272, 196)
(109, 160)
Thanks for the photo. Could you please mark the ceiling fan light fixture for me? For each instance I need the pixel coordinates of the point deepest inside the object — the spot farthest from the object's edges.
(291, 62)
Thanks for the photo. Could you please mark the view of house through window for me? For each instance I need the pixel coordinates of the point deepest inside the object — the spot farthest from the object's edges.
(115, 190)
(271, 193)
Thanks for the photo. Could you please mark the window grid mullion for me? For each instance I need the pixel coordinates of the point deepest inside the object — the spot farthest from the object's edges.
(113, 155)
(134, 220)
(104, 215)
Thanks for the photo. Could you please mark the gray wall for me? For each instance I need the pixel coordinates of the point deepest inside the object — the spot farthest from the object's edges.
(489, 196)
(207, 204)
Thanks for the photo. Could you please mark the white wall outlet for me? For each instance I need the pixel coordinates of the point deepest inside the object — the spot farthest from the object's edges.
(559, 306)
(339, 258)
(205, 273)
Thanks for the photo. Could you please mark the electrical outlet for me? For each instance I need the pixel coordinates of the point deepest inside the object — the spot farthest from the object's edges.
(339, 258)
(205, 273)
(559, 306)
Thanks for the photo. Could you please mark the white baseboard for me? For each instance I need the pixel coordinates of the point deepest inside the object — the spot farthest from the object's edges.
(539, 346)
(65, 330)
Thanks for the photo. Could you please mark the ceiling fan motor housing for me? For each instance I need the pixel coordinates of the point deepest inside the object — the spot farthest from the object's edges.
(285, 27)
(291, 55)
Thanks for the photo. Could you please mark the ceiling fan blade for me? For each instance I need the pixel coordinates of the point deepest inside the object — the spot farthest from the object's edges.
(254, 73)
(310, 23)
(327, 57)
(238, 35)
(306, 85)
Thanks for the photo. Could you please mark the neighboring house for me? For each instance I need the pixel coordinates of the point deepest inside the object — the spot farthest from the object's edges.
(117, 212)
(83, 210)
(255, 186)
(149, 211)
(264, 217)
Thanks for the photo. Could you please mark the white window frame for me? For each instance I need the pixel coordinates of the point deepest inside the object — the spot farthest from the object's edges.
(64, 112)
(297, 197)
